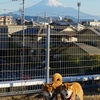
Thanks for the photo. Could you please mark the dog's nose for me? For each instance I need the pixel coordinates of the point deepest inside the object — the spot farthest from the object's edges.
(49, 95)
(66, 94)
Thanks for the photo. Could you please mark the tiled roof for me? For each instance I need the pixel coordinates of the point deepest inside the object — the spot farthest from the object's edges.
(89, 49)
(95, 30)
(27, 31)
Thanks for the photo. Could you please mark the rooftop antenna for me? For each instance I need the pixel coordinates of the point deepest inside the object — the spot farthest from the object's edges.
(78, 4)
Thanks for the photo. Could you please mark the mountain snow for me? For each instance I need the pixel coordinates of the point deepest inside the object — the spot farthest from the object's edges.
(51, 3)
(49, 6)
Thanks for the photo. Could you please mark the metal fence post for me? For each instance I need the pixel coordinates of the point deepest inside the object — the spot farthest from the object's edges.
(47, 52)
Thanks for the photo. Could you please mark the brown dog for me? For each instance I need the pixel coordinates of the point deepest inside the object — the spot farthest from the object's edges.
(50, 91)
(70, 90)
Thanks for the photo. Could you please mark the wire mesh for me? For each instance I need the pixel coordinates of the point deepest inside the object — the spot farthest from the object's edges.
(72, 53)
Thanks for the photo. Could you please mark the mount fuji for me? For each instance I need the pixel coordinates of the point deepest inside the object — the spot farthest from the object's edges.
(51, 7)
(54, 8)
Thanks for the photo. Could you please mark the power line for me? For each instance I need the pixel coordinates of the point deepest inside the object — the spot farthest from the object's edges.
(5, 2)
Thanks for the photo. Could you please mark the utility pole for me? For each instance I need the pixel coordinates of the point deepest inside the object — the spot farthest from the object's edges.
(23, 24)
(44, 18)
(47, 53)
(78, 4)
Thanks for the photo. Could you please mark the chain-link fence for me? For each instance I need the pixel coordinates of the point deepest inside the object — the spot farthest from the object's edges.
(31, 54)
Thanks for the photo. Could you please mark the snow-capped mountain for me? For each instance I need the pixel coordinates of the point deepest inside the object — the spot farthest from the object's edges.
(49, 6)
(50, 3)
(54, 8)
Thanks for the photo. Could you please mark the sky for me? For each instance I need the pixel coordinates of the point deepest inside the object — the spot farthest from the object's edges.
(88, 6)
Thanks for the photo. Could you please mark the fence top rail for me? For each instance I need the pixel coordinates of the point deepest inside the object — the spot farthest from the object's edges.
(31, 82)
(81, 78)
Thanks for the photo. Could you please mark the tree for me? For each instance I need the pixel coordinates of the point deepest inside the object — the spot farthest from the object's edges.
(65, 63)
(68, 19)
(91, 63)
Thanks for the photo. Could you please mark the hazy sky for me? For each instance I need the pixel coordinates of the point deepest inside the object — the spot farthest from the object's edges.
(87, 6)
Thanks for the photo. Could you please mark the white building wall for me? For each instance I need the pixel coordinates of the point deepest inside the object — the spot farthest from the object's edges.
(95, 23)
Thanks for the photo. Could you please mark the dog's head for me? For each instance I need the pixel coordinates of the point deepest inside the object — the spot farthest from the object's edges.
(48, 90)
(66, 90)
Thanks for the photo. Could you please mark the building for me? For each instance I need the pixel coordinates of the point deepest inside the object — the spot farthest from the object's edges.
(59, 18)
(91, 23)
(10, 29)
(70, 34)
(94, 23)
(76, 52)
(6, 20)
(90, 36)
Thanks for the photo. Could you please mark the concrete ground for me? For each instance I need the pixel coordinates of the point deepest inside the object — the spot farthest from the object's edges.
(90, 94)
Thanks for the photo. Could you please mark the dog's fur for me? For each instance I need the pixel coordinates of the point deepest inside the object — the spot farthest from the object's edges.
(56, 80)
(70, 90)
(57, 77)
(50, 91)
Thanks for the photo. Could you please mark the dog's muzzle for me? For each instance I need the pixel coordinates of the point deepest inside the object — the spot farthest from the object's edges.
(70, 98)
(50, 97)
(64, 95)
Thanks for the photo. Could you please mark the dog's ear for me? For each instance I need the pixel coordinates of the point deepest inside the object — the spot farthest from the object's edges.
(50, 83)
(43, 85)
(54, 87)
(63, 86)
(71, 85)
